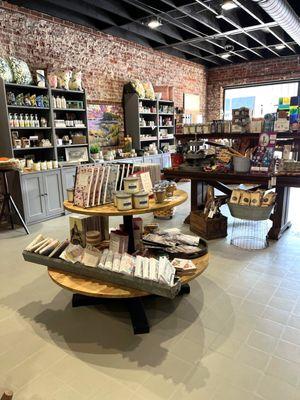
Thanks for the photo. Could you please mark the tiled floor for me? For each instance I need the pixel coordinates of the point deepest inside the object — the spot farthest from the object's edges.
(236, 336)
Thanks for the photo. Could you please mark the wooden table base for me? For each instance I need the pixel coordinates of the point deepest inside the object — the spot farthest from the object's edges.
(134, 306)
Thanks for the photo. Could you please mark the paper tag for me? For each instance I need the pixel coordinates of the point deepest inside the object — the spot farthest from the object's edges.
(273, 181)
(210, 214)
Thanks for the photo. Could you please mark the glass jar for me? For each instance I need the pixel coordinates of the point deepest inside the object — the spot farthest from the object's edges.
(131, 184)
(159, 195)
(124, 201)
(141, 199)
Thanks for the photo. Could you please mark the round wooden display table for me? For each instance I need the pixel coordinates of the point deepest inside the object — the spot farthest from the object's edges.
(90, 292)
(109, 210)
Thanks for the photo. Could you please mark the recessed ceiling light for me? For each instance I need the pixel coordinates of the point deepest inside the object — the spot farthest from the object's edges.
(280, 47)
(154, 23)
(228, 5)
(225, 55)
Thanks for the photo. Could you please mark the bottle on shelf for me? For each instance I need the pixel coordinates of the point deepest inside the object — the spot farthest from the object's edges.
(36, 121)
(16, 121)
(31, 121)
(21, 121)
(11, 120)
(58, 102)
(26, 122)
(54, 102)
(63, 102)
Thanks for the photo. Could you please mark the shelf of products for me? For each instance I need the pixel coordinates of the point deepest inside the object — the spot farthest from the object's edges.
(27, 87)
(144, 114)
(32, 148)
(70, 109)
(27, 107)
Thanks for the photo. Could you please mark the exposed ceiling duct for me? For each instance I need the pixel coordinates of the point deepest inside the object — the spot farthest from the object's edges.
(282, 13)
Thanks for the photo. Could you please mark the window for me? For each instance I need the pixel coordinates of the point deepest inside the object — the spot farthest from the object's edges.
(261, 99)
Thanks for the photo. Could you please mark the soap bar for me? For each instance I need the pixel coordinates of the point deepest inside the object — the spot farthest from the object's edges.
(103, 258)
(153, 270)
(90, 258)
(146, 268)
(138, 271)
(109, 260)
(116, 262)
(127, 264)
(37, 240)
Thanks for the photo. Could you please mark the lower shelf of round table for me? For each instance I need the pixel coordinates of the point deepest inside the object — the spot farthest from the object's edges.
(95, 288)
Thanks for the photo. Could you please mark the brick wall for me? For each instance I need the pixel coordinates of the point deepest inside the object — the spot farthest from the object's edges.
(107, 62)
(252, 72)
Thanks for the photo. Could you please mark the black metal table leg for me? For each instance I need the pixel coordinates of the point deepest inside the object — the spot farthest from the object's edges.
(185, 289)
(128, 224)
(138, 317)
(80, 300)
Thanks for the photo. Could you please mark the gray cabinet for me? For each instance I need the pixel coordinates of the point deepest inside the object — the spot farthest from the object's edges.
(67, 179)
(41, 195)
(32, 186)
(53, 193)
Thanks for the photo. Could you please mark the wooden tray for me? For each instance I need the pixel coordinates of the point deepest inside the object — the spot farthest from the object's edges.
(104, 275)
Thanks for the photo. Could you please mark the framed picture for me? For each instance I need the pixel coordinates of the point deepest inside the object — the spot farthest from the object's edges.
(77, 154)
(105, 124)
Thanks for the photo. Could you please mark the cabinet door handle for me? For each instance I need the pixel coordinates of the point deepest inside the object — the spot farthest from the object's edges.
(42, 195)
(45, 194)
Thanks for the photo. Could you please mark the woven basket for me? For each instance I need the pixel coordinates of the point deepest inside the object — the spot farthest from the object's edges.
(250, 213)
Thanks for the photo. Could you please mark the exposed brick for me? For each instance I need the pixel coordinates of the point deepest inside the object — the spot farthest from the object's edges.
(107, 62)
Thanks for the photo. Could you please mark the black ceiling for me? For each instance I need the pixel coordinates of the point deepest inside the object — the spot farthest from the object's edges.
(189, 30)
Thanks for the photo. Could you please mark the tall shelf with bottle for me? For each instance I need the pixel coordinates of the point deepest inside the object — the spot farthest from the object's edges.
(40, 122)
(69, 120)
(149, 121)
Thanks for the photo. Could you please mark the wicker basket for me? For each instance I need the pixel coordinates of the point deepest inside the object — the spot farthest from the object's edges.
(250, 213)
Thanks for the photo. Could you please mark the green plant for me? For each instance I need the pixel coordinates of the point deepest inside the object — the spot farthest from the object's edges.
(94, 149)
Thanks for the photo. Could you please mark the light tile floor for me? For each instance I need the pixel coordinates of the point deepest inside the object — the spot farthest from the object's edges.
(236, 336)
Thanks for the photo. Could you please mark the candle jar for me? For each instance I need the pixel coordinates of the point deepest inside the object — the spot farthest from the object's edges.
(54, 164)
(37, 166)
(49, 164)
(124, 201)
(43, 165)
(70, 195)
(159, 195)
(131, 185)
(29, 163)
(170, 189)
(141, 200)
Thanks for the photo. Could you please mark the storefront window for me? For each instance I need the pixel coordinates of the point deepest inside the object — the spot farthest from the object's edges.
(260, 99)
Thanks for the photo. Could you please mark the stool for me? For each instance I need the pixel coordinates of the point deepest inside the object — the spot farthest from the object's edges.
(8, 202)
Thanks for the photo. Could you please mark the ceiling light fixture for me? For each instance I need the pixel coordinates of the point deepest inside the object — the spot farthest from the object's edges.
(280, 47)
(154, 23)
(225, 55)
(228, 5)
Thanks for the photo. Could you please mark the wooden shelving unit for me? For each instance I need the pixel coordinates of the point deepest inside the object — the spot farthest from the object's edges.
(134, 115)
(54, 152)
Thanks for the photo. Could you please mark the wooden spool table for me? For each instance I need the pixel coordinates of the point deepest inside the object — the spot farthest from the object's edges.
(91, 292)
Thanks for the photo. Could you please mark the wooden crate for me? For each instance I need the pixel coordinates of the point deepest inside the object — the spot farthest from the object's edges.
(104, 275)
(208, 228)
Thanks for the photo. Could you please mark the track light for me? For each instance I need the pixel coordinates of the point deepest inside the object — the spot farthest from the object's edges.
(228, 5)
(154, 23)
(280, 47)
(225, 55)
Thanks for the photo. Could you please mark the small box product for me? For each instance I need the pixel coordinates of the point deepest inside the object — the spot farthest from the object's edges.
(131, 184)
(141, 200)
(124, 201)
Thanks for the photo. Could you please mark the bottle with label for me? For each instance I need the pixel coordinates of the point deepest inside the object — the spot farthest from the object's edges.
(11, 121)
(31, 121)
(54, 102)
(16, 121)
(21, 121)
(36, 121)
(63, 102)
(58, 102)
(26, 122)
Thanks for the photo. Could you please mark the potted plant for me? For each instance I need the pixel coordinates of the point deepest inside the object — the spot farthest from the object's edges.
(94, 150)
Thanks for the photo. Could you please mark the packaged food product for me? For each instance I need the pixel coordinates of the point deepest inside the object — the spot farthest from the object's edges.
(5, 70)
(20, 71)
(268, 199)
(235, 196)
(245, 198)
(255, 199)
(63, 79)
(149, 91)
(76, 81)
